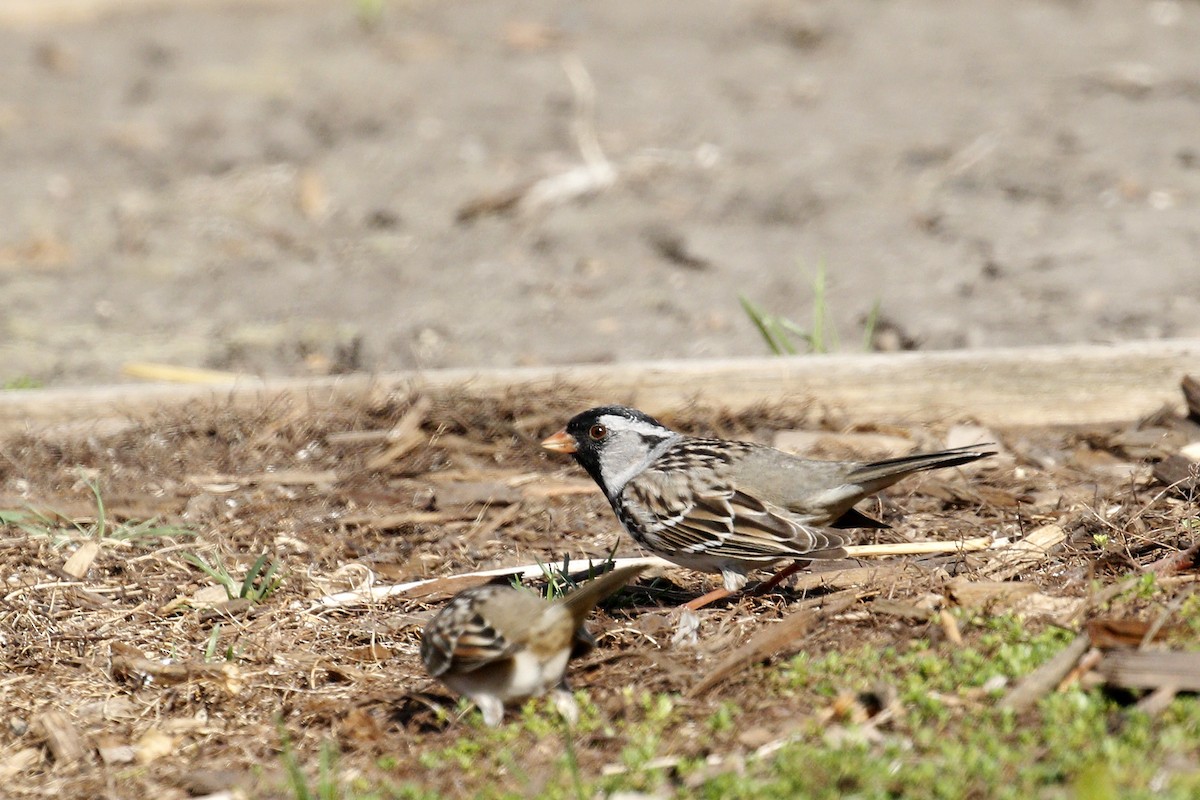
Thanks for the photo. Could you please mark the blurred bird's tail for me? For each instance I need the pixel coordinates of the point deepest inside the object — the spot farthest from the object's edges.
(584, 599)
(880, 474)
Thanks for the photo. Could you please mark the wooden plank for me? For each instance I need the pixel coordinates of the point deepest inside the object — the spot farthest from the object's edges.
(26, 13)
(1062, 385)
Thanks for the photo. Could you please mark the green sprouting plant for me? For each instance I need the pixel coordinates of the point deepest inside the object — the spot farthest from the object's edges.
(61, 529)
(211, 648)
(785, 337)
(369, 13)
(21, 382)
(777, 332)
(256, 586)
(327, 782)
(559, 581)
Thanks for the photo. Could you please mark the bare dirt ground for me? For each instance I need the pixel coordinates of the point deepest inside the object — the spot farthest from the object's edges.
(163, 689)
(278, 187)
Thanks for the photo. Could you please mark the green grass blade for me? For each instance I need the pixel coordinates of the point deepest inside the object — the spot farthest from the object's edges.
(295, 775)
(870, 325)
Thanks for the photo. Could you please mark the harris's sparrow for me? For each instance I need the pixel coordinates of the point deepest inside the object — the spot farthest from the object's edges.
(496, 644)
(724, 506)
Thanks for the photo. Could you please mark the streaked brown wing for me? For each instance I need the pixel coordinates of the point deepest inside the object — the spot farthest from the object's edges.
(460, 638)
(716, 519)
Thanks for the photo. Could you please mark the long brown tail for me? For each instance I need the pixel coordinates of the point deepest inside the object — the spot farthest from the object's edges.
(581, 601)
(879, 474)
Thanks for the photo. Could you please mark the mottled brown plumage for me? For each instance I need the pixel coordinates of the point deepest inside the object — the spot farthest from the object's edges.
(724, 506)
(496, 644)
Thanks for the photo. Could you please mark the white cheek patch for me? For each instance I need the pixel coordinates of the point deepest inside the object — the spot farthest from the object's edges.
(631, 446)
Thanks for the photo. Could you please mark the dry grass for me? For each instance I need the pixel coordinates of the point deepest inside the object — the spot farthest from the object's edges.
(170, 689)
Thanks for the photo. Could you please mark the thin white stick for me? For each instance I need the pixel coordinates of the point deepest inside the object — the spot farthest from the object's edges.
(373, 594)
(377, 593)
(923, 548)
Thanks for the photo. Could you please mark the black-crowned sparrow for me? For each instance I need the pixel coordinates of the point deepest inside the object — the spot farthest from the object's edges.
(723, 506)
(496, 644)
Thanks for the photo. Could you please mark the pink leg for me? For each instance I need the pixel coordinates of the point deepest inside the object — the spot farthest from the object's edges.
(706, 599)
(779, 577)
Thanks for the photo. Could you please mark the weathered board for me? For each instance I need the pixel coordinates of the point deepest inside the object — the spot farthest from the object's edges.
(1062, 385)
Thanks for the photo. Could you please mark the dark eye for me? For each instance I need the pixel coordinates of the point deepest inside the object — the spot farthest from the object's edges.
(597, 432)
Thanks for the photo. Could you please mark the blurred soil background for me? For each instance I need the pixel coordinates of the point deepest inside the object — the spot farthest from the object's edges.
(316, 186)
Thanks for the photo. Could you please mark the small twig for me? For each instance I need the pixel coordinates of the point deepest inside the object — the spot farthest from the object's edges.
(1045, 678)
(406, 435)
(583, 124)
(839, 579)
(497, 521)
(456, 582)
(921, 548)
(1085, 665)
(283, 477)
(950, 626)
(1157, 701)
(597, 172)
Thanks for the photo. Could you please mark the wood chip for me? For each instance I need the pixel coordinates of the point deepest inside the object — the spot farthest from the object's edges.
(368, 653)
(62, 737)
(1179, 472)
(973, 594)
(1026, 553)
(81, 560)
(1110, 632)
(127, 666)
(114, 750)
(19, 761)
(897, 608)
(154, 745)
(1056, 608)
(1150, 669)
(1045, 679)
